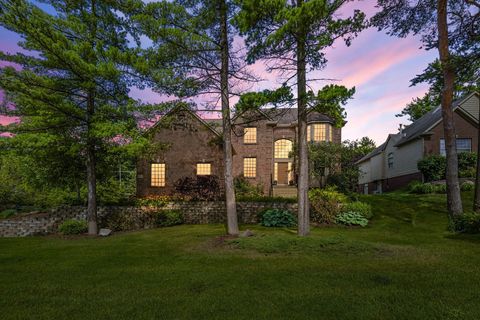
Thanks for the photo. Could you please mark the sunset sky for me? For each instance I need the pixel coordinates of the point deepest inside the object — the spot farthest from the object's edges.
(379, 66)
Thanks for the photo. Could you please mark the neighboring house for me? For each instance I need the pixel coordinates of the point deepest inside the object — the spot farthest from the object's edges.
(262, 144)
(394, 164)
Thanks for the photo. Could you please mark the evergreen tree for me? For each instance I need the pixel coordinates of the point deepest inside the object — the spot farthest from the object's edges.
(292, 36)
(453, 28)
(74, 80)
(201, 33)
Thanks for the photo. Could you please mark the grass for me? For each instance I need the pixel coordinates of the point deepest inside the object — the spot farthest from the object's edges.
(404, 265)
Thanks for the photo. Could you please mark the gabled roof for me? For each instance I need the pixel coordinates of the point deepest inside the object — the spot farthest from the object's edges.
(192, 112)
(428, 121)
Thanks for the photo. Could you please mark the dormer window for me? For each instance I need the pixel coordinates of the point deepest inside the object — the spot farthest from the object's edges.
(318, 132)
(250, 135)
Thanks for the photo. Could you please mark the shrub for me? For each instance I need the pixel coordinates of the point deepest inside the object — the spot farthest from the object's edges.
(440, 188)
(69, 227)
(467, 162)
(155, 201)
(467, 173)
(7, 213)
(467, 186)
(433, 167)
(351, 219)
(265, 199)
(421, 188)
(244, 188)
(199, 188)
(360, 207)
(467, 223)
(277, 218)
(326, 204)
(168, 218)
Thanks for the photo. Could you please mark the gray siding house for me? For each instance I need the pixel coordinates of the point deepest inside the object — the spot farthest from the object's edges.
(393, 165)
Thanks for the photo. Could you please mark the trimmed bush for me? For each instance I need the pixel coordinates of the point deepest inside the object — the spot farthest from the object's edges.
(277, 218)
(168, 218)
(70, 227)
(433, 167)
(440, 188)
(422, 188)
(467, 186)
(467, 223)
(202, 188)
(326, 204)
(360, 207)
(243, 188)
(351, 219)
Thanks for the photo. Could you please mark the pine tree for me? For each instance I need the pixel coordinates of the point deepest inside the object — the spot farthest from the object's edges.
(292, 35)
(201, 33)
(74, 78)
(452, 27)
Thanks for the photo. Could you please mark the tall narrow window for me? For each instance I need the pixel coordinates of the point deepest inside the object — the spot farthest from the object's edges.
(283, 147)
(249, 167)
(204, 169)
(157, 175)
(250, 135)
(390, 160)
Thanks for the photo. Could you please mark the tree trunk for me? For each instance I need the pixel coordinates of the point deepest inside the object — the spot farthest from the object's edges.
(231, 207)
(454, 201)
(91, 171)
(476, 200)
(303, 205)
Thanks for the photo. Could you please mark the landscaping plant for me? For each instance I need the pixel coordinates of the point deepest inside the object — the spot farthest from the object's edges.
(277, 218)
(359, 207)
(71, 227)
(351, 219)
(326, 204)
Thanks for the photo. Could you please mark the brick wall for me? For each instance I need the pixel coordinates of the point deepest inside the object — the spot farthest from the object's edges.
(133, 218)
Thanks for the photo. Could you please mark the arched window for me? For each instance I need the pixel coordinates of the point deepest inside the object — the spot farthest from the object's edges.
(283, 147)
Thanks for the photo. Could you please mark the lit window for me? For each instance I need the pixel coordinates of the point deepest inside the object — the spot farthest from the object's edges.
(463, 145)
(283, 147)
(158, 175)
(319, 132)
(204, 169)
(250, 135)
(250, 167)
(390, 160)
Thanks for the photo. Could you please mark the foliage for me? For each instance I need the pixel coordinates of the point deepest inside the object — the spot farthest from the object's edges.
(198, 188)
(350, 218)
(70, 227)
(277, 218)
(243, 188)
(362, 208)
(466, 223)
(427, 188)
(467, 186)
(433, 167)
(339, 161)
(330, 100)
(326, 204)
(154, 201)
(7, 213)
(168, 218)
(265, 199)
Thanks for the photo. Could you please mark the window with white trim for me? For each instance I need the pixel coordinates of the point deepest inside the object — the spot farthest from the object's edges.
(157, 177)
(463, 145)
(390, 160)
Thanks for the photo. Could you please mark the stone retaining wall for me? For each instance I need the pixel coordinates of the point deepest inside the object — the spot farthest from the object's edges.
(133, 218)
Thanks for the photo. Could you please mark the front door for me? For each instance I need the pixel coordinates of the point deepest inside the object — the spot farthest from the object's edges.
(282, 173)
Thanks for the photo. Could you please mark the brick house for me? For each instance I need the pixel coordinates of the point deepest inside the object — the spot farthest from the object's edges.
(393, 165)
(262, 142)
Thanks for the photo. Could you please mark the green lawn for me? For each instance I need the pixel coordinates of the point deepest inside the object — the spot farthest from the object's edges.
(405, 265)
